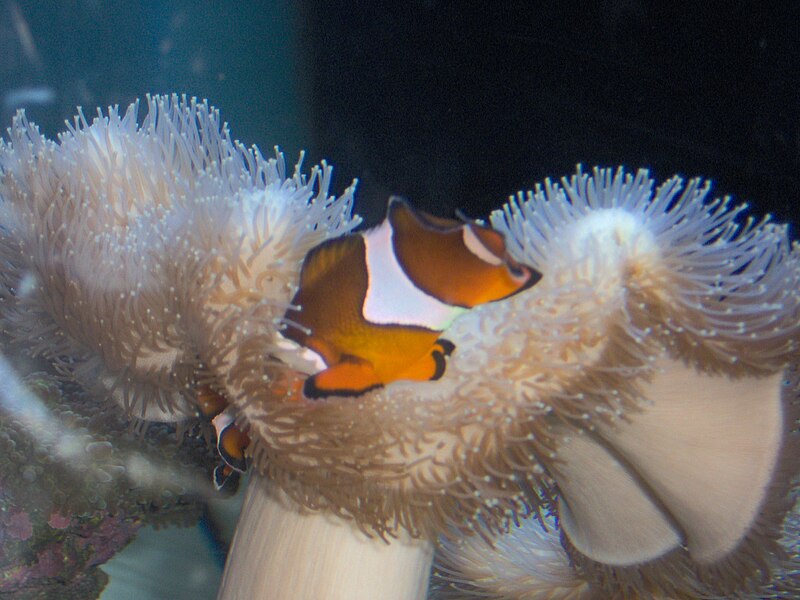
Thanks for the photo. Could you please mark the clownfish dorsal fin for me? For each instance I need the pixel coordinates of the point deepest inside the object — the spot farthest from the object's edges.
(464, 218)
(485, 243)
(482, 241)
(328, 255)
(403, 217)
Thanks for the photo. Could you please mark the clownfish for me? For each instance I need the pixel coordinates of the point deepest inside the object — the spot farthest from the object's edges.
(371, 305)
(231, 441)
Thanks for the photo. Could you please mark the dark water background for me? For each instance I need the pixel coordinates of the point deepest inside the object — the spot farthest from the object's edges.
(451, 104)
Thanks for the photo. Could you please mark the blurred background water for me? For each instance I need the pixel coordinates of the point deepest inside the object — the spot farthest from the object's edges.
(450, 104)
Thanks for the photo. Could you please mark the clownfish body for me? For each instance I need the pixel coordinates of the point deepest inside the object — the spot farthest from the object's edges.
(231, 441)
(371, 305)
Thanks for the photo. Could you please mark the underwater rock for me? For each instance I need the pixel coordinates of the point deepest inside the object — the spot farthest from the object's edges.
(71, 498)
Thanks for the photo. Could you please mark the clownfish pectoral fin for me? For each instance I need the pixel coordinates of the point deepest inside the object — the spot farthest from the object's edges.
(431, 366)
(351, 377)
(226, 479)
(231, 442)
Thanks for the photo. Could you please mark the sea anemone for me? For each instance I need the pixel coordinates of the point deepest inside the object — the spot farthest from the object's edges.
(136, 254)
(636, 394)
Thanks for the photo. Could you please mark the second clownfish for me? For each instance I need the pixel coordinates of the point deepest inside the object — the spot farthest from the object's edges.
(231, 441)
(372, 305)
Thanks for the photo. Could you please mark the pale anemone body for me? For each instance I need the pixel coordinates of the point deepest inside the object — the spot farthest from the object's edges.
(137, 254)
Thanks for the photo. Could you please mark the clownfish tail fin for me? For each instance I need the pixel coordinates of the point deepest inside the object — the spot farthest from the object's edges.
(226, 479)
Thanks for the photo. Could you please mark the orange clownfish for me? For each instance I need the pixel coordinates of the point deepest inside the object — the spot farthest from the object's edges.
(231, 441)
(371, 305)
